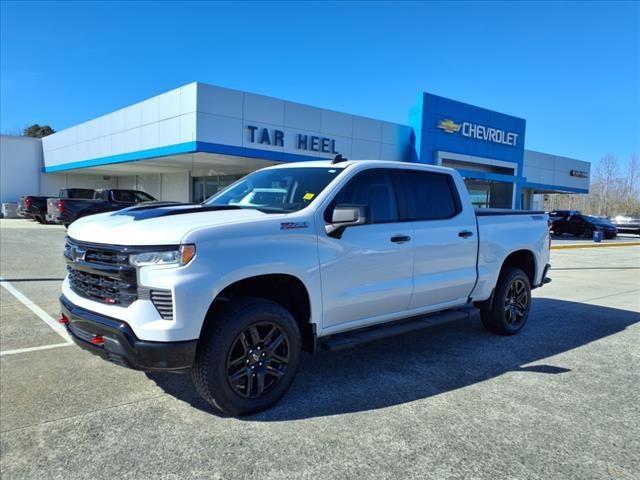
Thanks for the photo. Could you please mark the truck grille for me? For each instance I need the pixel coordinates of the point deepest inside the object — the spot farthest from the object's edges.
(101, 273)
(102, 288)
(163, 302)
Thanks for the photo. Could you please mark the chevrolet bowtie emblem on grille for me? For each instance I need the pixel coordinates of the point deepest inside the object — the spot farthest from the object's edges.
(78, 253)
(449, 126)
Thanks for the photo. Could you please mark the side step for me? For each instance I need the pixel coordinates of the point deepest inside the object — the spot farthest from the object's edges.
(353, 338)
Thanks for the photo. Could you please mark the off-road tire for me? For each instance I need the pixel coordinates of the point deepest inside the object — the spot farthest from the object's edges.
(210, 369)
(494, 316)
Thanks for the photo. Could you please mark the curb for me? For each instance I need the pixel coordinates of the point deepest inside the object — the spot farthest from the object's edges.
(595, 245)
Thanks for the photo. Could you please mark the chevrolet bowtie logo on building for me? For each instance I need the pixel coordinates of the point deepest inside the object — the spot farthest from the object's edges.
(449, 126)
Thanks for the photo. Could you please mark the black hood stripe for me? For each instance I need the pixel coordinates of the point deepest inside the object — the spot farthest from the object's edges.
(145, 212)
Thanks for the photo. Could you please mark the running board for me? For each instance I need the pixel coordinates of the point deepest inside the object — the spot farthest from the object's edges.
(353, 338)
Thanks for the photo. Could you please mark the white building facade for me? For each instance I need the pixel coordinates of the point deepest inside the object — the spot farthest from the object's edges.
(189, 142)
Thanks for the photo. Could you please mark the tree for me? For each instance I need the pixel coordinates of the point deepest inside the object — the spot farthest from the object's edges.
(611, 192)
(632, 193)
(606, 183)
(38, 131)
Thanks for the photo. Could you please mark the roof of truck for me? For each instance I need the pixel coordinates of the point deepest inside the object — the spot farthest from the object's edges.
(372, 163)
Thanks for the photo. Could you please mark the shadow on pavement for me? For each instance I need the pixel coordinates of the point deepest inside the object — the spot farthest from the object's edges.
(429, 362)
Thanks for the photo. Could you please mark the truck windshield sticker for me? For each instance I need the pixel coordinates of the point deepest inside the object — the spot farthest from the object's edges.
(309, 196)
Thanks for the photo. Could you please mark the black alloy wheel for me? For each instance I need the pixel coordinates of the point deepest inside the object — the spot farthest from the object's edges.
(257, 360)
(508, 310)
(247, 356)
(516, 303)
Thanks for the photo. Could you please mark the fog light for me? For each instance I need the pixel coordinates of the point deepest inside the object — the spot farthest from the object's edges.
(97, 340)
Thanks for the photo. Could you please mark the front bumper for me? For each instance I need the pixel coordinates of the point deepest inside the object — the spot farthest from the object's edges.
(121, 346)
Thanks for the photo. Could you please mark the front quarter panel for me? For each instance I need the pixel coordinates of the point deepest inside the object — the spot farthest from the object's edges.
(278, 244)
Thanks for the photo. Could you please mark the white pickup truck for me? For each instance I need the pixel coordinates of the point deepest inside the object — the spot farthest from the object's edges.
(346, 252)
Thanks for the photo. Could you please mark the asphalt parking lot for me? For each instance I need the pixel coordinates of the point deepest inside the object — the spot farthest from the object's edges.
(559, 400)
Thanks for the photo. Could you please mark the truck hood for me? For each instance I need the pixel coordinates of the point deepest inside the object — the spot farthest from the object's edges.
(164, 224)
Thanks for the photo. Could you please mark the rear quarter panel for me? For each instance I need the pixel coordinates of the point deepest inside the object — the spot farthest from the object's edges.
(501, 235)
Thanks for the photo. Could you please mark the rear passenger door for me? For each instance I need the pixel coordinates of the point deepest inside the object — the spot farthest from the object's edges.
(445, 238)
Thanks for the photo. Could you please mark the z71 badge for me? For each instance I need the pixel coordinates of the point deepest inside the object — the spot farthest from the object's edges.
(293, 225)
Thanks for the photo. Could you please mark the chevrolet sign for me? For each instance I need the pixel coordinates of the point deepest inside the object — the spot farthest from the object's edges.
(479, 132)
(449, 126)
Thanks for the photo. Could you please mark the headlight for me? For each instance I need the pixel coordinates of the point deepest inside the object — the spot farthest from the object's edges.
(180, 256)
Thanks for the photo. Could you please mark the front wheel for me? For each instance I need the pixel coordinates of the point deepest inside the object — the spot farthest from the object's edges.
(248, 356)
(509, 309)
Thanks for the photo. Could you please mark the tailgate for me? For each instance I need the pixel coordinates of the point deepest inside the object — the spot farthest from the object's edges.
(52, 206)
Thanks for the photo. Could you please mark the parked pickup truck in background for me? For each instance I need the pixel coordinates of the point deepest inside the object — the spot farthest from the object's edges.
(68, 210)
(347, 252)
(32, 207)
(36, 208)
(65, 193)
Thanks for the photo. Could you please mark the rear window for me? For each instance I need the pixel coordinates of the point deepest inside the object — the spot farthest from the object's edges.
(77, 193)
(426, 195)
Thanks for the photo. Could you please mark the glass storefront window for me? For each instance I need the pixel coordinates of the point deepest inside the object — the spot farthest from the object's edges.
(204, 187)
(486, 194)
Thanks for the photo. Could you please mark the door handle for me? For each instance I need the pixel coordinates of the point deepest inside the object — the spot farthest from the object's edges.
(465, 234)
(400, 238)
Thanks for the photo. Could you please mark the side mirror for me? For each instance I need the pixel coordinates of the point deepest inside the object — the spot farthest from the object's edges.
(347, 216)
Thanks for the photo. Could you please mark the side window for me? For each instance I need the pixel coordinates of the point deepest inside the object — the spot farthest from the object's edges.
(124, 196)
(373, 188)
(426, 195)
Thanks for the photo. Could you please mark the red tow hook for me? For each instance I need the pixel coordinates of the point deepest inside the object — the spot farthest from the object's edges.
(97, 340)
(63, 319)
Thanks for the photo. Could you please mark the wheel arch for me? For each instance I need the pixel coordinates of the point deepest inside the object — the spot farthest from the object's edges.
(523, 259)
(282, 288)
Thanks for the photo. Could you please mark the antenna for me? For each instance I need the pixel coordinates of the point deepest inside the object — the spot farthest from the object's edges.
(339, 159)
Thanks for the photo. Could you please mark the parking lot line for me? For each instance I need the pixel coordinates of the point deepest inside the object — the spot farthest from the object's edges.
(44, 316)
(34, 349)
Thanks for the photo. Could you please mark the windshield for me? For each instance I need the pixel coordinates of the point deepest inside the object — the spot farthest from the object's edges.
(276, 190)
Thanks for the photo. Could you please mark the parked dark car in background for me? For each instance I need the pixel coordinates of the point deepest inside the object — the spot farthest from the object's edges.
(628, 223)
(584, 225)
(562, 214)
(104, 200)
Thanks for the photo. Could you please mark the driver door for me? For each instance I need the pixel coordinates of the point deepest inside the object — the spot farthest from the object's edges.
(368, 271)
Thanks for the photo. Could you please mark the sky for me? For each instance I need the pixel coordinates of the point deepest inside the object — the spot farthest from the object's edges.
(571, 69)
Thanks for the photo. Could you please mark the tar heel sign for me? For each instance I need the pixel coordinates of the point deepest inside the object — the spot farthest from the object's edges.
(300, 142)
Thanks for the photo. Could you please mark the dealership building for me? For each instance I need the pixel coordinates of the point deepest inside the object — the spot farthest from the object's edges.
(188, 143)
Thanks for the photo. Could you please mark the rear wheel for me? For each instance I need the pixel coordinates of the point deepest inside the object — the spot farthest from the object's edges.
(509, 309)
(39, 219)
(248, 357)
